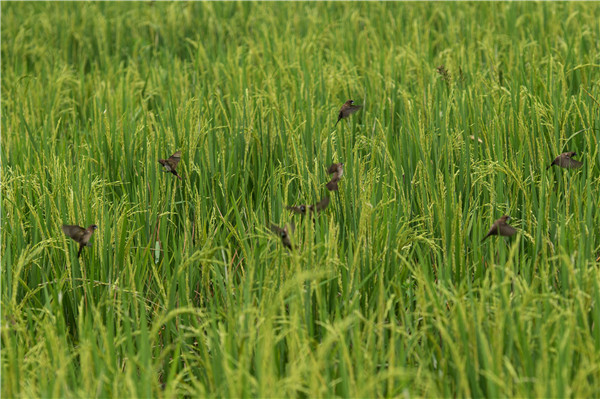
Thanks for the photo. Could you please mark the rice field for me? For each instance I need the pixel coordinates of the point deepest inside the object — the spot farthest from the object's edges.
(186, 292)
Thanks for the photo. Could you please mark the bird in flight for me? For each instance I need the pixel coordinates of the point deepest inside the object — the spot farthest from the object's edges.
(500, 227)
(347, 109)
(79, 234)
(171, 163)
(565, 160)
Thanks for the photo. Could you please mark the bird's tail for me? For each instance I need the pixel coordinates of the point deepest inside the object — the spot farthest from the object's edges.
(338, 121)
(80, 249)
(179, 177)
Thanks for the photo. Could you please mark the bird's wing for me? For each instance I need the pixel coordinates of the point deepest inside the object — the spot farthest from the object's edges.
(175, 158)
(570, 163)
(353, 109)
(507, 230)
(323, 203)
(75, 232)
(332, 169)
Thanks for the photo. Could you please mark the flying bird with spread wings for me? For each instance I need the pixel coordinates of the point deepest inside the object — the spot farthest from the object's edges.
(79, 234)
(565, 160)
(347, 109)
(501, 228)
(171, 163)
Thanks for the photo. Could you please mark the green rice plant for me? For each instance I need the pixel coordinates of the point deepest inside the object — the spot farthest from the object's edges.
(389, 292)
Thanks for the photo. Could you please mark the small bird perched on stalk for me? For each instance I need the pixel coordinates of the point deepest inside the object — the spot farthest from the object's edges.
(337, 170)
(318, 207)
(500, 227)
(80, 235)
(444, 73)
(171, 163)
(347, 109)
(565, 160)
(284, 233)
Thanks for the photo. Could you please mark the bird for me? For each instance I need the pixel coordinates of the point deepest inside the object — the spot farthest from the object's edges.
(444, 73)
(171, 163)
(337, 170)
(301, 209)
(79, 234)
(284, 233)
(500, 227)
(347, 109)
(565, 160)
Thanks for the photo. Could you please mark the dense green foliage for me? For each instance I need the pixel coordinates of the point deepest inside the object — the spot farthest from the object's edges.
(185, 291)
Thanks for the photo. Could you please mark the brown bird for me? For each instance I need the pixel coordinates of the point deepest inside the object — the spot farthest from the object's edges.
(284, 233)
(565, 160)
(444, 73)
(337, 170)
(500, 227)
(301, 209)
(347, 109)
(79, 234)
(171, 163)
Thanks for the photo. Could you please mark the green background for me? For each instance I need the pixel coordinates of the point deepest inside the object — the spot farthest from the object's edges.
(390, 293)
